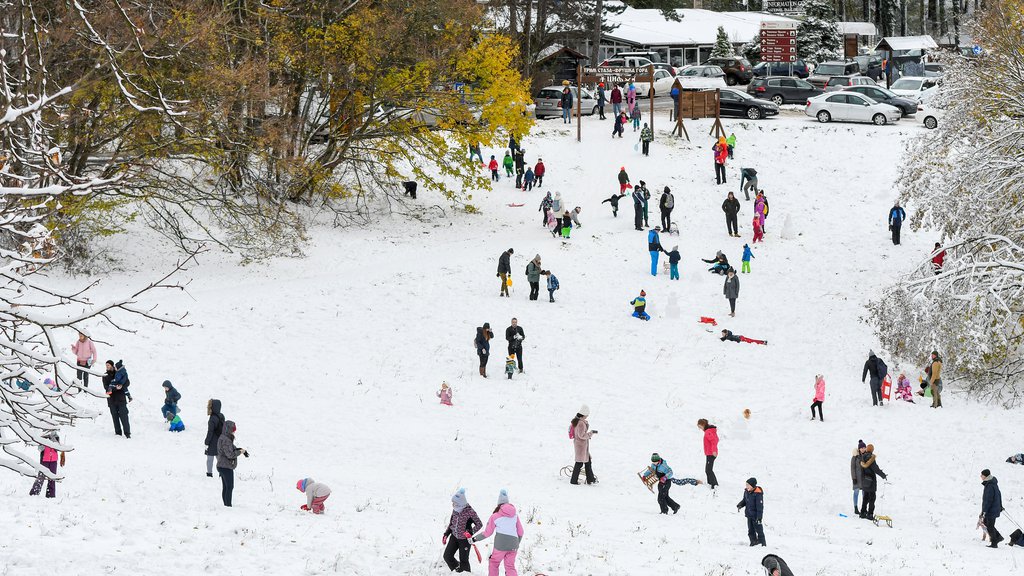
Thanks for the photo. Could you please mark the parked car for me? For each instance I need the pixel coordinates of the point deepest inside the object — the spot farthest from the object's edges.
(870, 66)
(654, 57)
(662, 84)
(701, 77)
(733, 102)
(548, 100)
(907, 106)
(627, 61)
(930, 116)
(782, 90)
(826, 70)
(934, 69)
(836, 83)
(913, 86)
(737, 69)
(850, 107)
(798, 69)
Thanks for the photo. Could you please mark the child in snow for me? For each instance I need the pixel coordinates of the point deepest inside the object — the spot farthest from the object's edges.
(721, 263)
(316, 493)
(758, 232)
(761, 208)
(176, 424)
(660, 468)
(538, 171)
(903, 389)
(171, 397)
(1015, 459)
(510, 365)
(620, 122)
(528, 179)
(747, 255)
(507, 162)
(564, 226)
(445, 394)
(673, 263)
(575, 214)
(48, 457)
(730, 142)
(508, 530)
(728, 335)
(721, 151)
(463, 519)
(753, 501)
(493, 166)
(545, 206)
(552, 286)
(635, 116)
(640, 305)
(819, 396)
(614, 201)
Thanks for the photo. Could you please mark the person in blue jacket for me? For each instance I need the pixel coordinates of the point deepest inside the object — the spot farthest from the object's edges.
(654, 247)
(896, 217)
(753, 501)
(661, 468)
(640, 306)
(747, 255)
(991, 507)
(171, 397)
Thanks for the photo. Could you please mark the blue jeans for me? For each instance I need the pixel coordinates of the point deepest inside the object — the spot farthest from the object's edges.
(673, 271)
(565, 115)
(616, 108)
(654, 262)
(169, 409)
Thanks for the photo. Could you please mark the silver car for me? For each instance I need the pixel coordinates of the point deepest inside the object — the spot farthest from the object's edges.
(548, 100)
(850, 107)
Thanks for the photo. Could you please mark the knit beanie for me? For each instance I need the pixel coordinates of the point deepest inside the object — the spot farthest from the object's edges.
(167, 384)
(642, 293)
(459, 500)
(655, 457)
(861, 444)
(301, 484)
(752, 481)
(584, 410)
(502, 497)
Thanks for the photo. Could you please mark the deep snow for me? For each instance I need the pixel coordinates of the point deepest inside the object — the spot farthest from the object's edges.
(330, 363)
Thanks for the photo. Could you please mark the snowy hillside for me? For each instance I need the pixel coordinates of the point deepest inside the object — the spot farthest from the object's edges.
(329, 365)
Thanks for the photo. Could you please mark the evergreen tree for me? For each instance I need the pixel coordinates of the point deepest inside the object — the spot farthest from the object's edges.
(818, 35)
(722, 45)
(752, 50)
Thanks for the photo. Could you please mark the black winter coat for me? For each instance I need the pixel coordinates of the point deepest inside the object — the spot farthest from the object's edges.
(992, 500)
(870, 367)
(214, 428)
(510, 336)
(504, 267)
(869, 482)
(731, 207)
(753, 503)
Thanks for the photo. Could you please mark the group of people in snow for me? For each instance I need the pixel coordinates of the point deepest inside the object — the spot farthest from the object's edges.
(931, 382)
(514, 336)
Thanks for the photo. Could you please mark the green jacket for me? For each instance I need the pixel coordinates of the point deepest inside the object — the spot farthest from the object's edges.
(507, 161)
(731, 140)
(646, 135)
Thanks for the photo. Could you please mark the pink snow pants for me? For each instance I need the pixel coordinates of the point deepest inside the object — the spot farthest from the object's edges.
(318, 504)
(497, 556)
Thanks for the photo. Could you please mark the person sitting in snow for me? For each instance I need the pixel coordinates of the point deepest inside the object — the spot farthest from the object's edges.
(903, 389)
(721, 263)
(728, 335)
(640, 305)
(171, 397)
(316, 493)
(1015, 459)
(445, 394)
(176, 424)
(775, 566)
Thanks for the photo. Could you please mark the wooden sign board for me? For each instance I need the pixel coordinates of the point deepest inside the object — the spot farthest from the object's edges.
(849, 45)
(698, 104)
(616, 74)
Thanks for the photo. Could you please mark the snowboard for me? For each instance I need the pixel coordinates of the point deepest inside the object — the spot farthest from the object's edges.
(886, 387)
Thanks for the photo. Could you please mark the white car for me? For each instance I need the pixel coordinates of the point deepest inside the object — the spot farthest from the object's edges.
(913, 86)
(850, 107)
(662, 84)
(930, 116)
(701, 78)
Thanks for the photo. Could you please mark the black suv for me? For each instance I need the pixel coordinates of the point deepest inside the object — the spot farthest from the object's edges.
(737, 70)
(798, 69)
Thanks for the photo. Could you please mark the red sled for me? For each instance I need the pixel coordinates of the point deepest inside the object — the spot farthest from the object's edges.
(516, 205)
(706, 320)
(886, 387)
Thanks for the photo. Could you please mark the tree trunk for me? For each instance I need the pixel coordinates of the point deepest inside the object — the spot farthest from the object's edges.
(903, 17)
(956, 24)
(920, 17)
(527, 54)
(865, 10)
(942, 18)
(595, 33)
(933, 16)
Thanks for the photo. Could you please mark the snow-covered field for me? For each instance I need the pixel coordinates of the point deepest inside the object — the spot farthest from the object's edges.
(329, 365)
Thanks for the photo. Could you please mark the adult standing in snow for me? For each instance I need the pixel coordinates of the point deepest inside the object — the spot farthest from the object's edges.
(115, 383)
(819, 396)
(664, 474)
(877, 370)
(566, 103)
(647, 201)
(85, 355)
(483, 346)
(556, 203)
(654, 247)
(935, 379)
(514, 335)
(896, 217)
(666, 204)
(508, 532)
(710, 450)
(869, 481)
(731, 207)
(748, 181)
(991, 507)
(581, 435)
(857, 473)
(513, 144)
(721, 152)
(214, 428)
(753, 502)
(638, 206)
(646, 137)
(463, 519)
(731, 289)
(938, 258)
(533, 274)
(227, 461)
(520, 160)
(616, 101)
(504, 269)
(600, 101)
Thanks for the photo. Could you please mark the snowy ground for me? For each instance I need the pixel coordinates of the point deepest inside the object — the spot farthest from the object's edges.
(329, 365)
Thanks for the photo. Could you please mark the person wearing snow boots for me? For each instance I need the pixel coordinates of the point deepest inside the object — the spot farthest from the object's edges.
(664, 473)
(745, 260)
(601, 99)
(115, 384)
(464, 519)
(869, 481)
(581, 435)
(538, 171)
(528, 179)
(819, 396)
(48, 457)
(728, 335)
(552, 286)
(533, 274)
(935, 379)
(563, 227)
(876, 368)
(673, 263)
(483, 345)
(508, 532)
(520, 160)
(730, 142)
(761, 213)
(631, 97)
(513, 144)
(640, 306)
(857, 474)
(316, 493)
(514, 335)
(171, 397)
(638, 205)
(504, 270)
(646, 137)
(214, 428)
(731, 207)
(654, 247)
(896, 217)
(991, 507)
(556, 203)
(720, 263)
(575, 215)
(748, 182)
(508, 162)
(775, 566)
(665, 205)
(731, 289)
(545, 206)
(620, 123)
(565, 103)
(623, 178)
(634, 115)
(614, 201)
(85, 355)
(616, 100)
(753, 502)
(493, 167)
(227, 460)
(710, 450)
(721, 152)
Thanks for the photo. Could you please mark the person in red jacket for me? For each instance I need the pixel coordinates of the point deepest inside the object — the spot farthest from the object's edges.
(494, 168)
(710, 450)
(721, 151)
(616, 100)
(538, 173)
(938, 257)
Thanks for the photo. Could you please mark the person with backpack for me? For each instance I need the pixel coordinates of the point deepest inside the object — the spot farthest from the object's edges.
(504, 270)
(514, 335)
(552, 286)
(463, 519)
(896, 217)
(760, 212)
(748, 182)
(654, 247)
(876, 368)
(214, 428)
(646, 137)
(533, 274)
(731, 207)
(614, 201)
(508, 533)
(869, 481)
(710, 450)
(753, 503)
(483, 346)
(581, 434)
(116, 383)
(666, 204)
(991, 507)
(935, 379)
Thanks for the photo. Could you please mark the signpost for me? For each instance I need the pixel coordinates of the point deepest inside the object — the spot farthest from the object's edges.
(784, 7)
(778, 41)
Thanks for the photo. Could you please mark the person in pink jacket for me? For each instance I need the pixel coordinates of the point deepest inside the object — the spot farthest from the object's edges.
(445, 394)
(48, 457)
(819, 396)
(508, 532)
(85, 355)
(710, 450)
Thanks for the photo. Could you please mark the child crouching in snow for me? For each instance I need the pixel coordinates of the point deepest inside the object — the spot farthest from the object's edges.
(445, 394)
(316, 493)
(176, 424)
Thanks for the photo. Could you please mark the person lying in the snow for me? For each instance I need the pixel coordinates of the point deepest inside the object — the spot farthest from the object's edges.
(1015, 459)
(721, 263)
(316, 493)
(728, 335)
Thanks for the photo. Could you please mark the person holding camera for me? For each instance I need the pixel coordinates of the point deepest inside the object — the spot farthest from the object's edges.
(115, 384)
(514, 335)
(227, 460)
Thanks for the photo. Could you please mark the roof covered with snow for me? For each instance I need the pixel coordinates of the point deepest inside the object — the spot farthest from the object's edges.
(906, 43)
(648, 27)
(859, 28)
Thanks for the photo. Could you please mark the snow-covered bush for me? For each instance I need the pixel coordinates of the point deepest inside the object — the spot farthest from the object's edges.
(817, 36)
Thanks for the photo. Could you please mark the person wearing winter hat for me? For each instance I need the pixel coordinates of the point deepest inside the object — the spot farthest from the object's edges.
(534, 271)
(640, 306)
(753, 502)
(214, 428)
(227, 460)
(505, 270)
(991, 507)
(115, 384)
(464, 519)
(483, 346)
(654, 247)
(508, 532)
(660, 468)
(710, 450)
(316, 493)
(666, 204)
(857, 473)
(935, 379)
(623, 179)
(869, 481)
(581, 435)
(775, 566)
(638, 204)
(171, 397)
